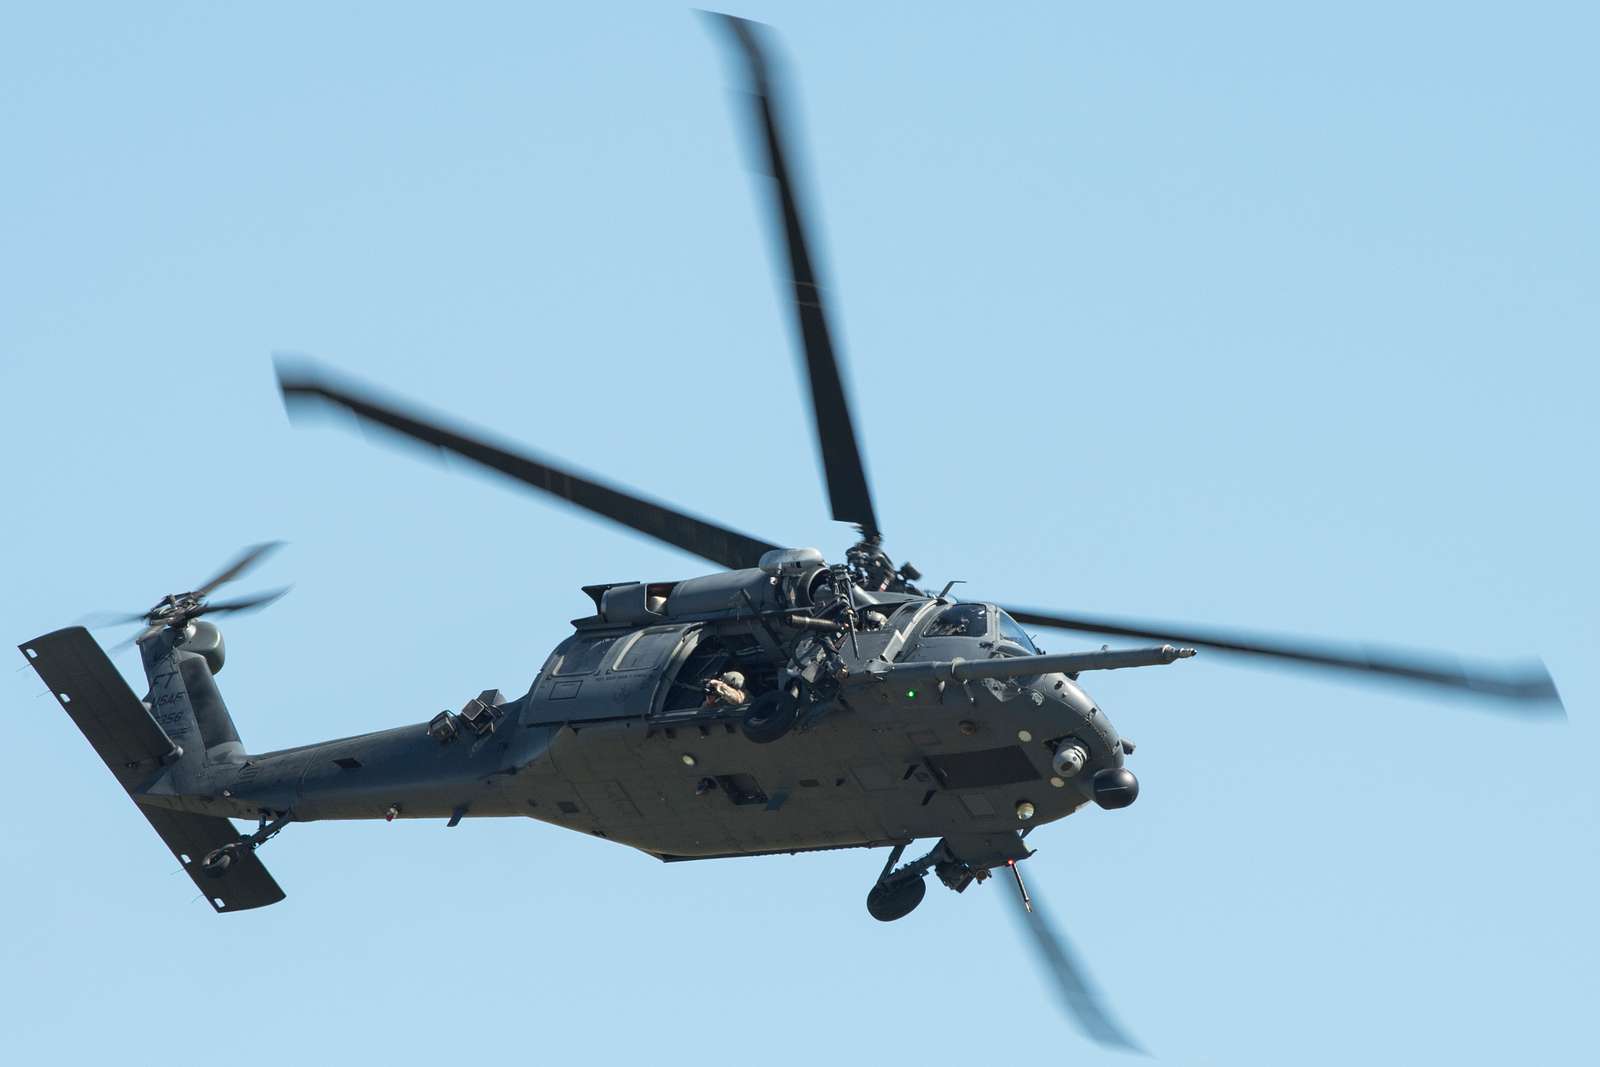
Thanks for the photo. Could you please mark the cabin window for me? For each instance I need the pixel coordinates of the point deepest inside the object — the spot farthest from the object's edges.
(1012, 631)
(647, 650)
(963, 620)
(583, 657)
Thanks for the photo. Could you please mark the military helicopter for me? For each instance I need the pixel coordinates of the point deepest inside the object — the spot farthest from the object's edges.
(781, 704)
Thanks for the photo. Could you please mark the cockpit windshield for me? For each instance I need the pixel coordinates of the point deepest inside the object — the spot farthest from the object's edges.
(962, 620)
(1012, 632)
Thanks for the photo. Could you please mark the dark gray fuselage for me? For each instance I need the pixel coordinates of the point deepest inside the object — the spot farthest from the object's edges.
(615, 739)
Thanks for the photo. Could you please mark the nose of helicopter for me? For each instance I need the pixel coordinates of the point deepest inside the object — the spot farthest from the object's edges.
(1090, 757)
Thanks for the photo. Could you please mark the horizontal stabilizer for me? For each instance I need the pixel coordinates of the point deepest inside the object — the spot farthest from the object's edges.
(246, 884)
(86, 683)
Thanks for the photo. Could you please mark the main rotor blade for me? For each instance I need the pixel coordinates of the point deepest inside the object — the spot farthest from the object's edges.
(700, 537)
(1072, 983)
(247, 559)
(836, 435)
(1530, 687)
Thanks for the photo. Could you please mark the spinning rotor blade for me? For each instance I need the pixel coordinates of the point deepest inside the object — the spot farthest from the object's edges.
(1077, 992)
(140, 637)
(101, 619)
(166, 608)
(1529, 687)
(836, 435)
(249, 603)
(247, 559)
(700, 537)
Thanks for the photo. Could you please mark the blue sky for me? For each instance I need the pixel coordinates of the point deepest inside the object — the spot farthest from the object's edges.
(1225, 313)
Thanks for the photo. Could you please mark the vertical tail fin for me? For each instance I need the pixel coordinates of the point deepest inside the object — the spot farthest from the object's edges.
(186, 703)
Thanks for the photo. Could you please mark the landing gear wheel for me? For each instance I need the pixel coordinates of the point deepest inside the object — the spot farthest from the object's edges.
(770, 717)
(888, 902)
(217, 861)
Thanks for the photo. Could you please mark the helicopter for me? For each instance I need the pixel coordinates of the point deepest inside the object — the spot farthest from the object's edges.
(781, 704)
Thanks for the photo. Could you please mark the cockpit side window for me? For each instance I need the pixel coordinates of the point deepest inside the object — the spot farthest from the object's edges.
(1012, 631)
(962, 620)
(583, 657)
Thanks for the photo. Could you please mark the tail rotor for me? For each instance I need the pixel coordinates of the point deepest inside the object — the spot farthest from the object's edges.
(177, 610)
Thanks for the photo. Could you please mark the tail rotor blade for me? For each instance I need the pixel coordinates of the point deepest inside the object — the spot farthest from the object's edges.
(247, 559)
(249, 603)
(1070, 977)
(141, 636)
(101, 619)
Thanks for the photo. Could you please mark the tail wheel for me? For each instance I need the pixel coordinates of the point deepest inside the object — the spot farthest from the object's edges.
(895, 900)
(217, 862)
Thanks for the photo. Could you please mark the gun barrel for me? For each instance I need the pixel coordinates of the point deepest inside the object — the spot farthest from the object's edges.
(963, 670)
